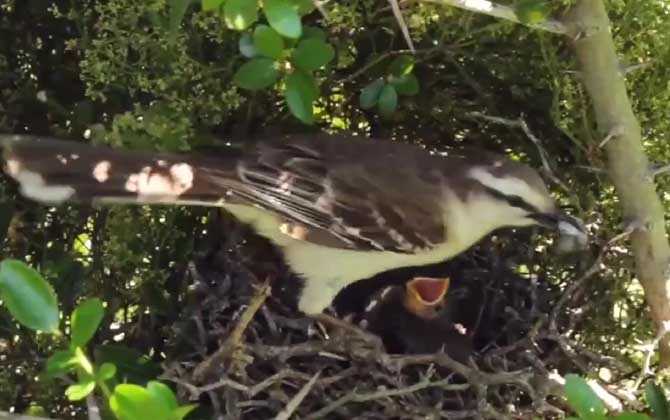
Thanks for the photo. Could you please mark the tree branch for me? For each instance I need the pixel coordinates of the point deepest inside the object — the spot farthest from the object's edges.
(502, 12)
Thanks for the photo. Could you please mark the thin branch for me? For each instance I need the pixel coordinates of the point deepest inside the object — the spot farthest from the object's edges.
(502, 12)
(521, 123)
(292, 405)
(659, 170)
(234, 340)
(401, 22)
(616, 131)
(355, 397)
(650, 351)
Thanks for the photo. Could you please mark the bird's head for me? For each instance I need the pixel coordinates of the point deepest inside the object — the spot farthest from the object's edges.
(517, 195)
(425, 296)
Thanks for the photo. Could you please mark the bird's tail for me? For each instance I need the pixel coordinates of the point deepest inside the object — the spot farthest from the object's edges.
(53, 171)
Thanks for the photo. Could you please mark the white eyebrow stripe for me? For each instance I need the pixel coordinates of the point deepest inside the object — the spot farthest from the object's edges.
(511, 186)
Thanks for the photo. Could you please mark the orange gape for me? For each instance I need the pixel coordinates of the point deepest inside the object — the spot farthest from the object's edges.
(425, 295)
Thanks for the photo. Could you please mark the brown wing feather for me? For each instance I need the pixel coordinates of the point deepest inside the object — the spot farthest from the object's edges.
(335, 202)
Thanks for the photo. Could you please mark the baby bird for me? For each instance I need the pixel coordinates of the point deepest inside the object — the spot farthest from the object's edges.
(414, 319)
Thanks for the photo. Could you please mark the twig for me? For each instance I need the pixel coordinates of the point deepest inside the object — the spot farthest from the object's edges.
(592, 270)
(292, 405)
(659, 170)
(502, 12)
(233, 342)
(401, 22)
(355, 397)
(92, 408)
(651, 349)
(521, 123)
(616, 131)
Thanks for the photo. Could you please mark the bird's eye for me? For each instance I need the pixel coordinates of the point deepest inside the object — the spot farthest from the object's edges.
(516, 201)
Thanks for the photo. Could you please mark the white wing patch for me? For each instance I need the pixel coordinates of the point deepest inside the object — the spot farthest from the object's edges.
(33, 185)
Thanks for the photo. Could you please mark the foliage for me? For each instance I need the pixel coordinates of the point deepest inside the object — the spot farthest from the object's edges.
(174, 75)
(126, 401)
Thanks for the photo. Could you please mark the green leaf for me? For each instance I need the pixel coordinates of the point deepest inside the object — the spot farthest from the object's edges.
(532, 11)
(407, 85)
(657, 400)
(211, 4)
(388, 100)
(85, 320)
(132, 402)
(312, 53)
(583, 399)
(106, 371)
(177, 11)
(401, 66)
(163, 393)
(183, 411)
(370, 94)
(61, 362)
(256, 74)
(300, 94)
(268, 42)
(631, 416)
(246, 46)
(303, 7)
(240, 14)
(132, 366)
(313, 32)
(28, 297)
(80, 390)
(283, 17)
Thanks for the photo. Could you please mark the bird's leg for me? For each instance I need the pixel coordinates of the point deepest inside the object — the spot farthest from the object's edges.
(230, 349)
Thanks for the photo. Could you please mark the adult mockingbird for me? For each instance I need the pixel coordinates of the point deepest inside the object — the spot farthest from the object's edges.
(341, 208)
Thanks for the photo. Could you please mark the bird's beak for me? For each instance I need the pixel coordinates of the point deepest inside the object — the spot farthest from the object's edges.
(425, 295)
(571, 230)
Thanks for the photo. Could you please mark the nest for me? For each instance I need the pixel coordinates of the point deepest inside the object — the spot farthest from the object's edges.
(243, 354)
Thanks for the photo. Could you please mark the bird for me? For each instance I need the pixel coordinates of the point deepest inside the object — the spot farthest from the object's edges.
(414, 318)
(341, 208)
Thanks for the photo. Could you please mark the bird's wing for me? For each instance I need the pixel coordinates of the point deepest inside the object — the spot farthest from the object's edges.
(335, 203)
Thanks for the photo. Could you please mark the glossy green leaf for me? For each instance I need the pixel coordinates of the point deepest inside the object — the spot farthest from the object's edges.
(246, 46)
(131, 365)
(240, 14)
(211, 4)
(256, 74)
(80, 390)
(583, 399)
(300, 94)
(177, 11)
(28, 297)
(370, 94)
(407, 85)
(106, 371)
(283, 17)
(657, 400)
(61, 362)
(133, 402)
(401, 65)
(268, 42)
(303, 7)
(183, 411)
(532, 11)
(163, 393)
(313, 32)
(85, 320)
(312, 54)
(388, 100)
(631, 416)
